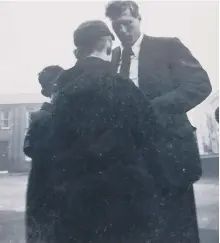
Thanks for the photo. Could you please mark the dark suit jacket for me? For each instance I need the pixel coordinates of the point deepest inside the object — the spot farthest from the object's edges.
(175, 83)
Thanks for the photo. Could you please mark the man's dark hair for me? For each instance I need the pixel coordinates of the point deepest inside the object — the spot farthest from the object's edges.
(115, 9)
(48, 77)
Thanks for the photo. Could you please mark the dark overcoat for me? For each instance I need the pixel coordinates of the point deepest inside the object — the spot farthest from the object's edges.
(98, 162)
(36, 147)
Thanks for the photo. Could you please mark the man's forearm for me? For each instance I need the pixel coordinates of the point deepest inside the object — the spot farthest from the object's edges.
(190, 80)
(180, 101)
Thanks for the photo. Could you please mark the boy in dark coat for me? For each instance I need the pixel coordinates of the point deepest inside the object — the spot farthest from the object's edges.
(36, 148)
(47, 79)
(103, 168)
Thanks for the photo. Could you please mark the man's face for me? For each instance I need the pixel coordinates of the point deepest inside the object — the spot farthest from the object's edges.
(127, 28)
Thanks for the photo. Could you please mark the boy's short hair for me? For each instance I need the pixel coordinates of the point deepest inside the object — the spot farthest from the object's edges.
(115, 9)
(48, 77)
(87, 36)
(91, 31)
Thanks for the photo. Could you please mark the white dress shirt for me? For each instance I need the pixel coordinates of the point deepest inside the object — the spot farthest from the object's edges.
(134, 60)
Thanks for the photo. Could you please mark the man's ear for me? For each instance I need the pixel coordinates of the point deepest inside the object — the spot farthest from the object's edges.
(139, 17)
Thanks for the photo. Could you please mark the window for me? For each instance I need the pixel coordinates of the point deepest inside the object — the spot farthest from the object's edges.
(4, 119)
(28, 117)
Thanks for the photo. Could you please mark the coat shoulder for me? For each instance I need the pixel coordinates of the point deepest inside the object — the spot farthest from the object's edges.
(64, 78)
(159, 38)
(161, 42)
(37, 115)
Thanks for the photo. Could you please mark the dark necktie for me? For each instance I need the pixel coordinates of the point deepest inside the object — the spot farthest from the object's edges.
(126, 62)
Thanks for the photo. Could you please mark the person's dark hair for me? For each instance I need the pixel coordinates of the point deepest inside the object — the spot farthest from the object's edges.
(83, 51)
(90, 36)
(115, 9)
(47, 79)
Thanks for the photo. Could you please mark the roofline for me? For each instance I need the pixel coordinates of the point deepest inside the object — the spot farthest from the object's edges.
(26, 98)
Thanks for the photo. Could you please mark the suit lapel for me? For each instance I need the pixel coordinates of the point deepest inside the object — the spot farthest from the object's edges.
(116, 54)
(143, 62)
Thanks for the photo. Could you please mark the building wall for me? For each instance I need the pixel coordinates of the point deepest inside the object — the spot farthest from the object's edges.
(203, 118)
(16, 140)
(212, 126)
(15, 134)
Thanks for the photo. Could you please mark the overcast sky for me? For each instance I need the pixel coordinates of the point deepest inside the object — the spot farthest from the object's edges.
(37, 34)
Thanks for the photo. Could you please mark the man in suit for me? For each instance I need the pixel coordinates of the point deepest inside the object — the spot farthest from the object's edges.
(174, 81)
